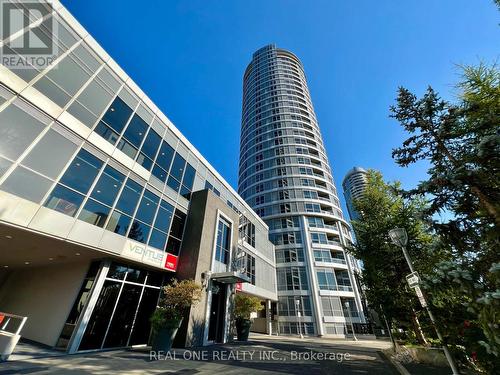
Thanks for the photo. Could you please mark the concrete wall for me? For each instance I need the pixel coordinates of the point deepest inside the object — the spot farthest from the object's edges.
(196, 257)
(45, 295)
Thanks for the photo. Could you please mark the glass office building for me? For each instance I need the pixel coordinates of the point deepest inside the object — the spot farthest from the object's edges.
(284, 175)
(98, 192)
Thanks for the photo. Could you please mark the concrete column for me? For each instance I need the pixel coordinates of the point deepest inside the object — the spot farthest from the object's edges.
(313, 285)
(269, 323)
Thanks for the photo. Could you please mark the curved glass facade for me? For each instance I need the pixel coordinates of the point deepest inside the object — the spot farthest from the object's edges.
(284, 175)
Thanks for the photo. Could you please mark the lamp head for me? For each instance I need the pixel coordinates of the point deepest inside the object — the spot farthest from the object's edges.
(399, 236)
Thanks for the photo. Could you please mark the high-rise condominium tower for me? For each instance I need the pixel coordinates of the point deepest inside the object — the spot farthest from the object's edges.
(284, 175)
(354, 186)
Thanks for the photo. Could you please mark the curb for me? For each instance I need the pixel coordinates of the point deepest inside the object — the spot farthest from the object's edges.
(396, 364)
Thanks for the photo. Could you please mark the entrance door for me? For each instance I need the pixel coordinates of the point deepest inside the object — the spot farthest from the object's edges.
(217, 313)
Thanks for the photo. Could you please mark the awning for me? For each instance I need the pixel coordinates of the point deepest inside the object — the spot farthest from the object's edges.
(232, 277)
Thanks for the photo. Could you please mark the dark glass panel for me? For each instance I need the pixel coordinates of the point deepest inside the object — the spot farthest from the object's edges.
(82, 172)
(177, 224)
(64, 200)
(164, 216)
(121, 324)
(158, 239)
(117, 115)
(173, 184)
(119, 223)
(188, 178)
(178, 167)
(142, 325)
(151, 144)
(159, 173)
(136, 131)
(94, 213)
(147, 207)
(129, 197)
(108, 186)
(139, 231)
(96, 327)
(165, 156)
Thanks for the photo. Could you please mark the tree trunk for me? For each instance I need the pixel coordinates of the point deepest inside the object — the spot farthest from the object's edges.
(418, 329)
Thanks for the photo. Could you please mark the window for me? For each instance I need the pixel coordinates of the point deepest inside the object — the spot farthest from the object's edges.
(148, 150)
(176, 232)
(143, 220)
(326, 279)
(247, 231)
(89, 105)
(129, 197)
(19, 126)
(108, 186)
(188, 181)
(292, 278)
(26, 184)
(64, 80)
(119, 223)
(223, 244)
(249, 264)
(162, 225)
(50, 155)
(319, 238)
(82, 172)
(288, 307)
(165, 156)
(114, 120)
(331, 306)
(94, 213)
(64, 200)
(176, 172)
(133, 136)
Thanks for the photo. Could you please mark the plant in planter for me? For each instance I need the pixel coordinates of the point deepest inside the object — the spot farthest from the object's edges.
(176, 298)
(243, 307)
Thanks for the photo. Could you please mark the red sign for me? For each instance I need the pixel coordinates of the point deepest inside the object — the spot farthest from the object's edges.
(239, 285)
(171, 262)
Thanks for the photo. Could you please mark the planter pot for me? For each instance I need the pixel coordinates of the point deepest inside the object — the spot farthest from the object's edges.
(243, 329)
(164, 337)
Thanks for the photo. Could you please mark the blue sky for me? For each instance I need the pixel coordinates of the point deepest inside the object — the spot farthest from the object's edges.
(189, 57)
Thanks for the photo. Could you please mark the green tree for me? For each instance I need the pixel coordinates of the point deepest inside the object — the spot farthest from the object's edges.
(381, 209)
(461, 141)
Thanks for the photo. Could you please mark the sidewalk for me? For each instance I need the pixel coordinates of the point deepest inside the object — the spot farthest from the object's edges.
(271, 355)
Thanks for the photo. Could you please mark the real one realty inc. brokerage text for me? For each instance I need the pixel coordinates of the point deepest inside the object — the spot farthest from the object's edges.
(246, 355)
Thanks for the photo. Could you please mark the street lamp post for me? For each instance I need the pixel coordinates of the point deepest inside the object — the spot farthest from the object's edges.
(297, 309)
(347, 306)
(399, 237)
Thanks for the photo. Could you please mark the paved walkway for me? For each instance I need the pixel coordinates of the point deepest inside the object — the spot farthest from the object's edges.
(261, 355)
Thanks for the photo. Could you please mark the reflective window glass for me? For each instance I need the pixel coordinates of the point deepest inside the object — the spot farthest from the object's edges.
(158, 239)
(81, 173)
(117, 115)
(136, 131)
(108, 186)
(165, 156)
(90, 103)
(68, 74)
(164, 216)
(51, 154)
(147, 207)
(178, 167)
(94, 213)
(145, 161)
(159, 173)
(173, 184)
(129, 197)
(4, 165)
(188, 178)
(18, 129)
(119, 223)
(151, 144)
(27, 184)
(139, 231)
(64, 200)
(106, 132)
